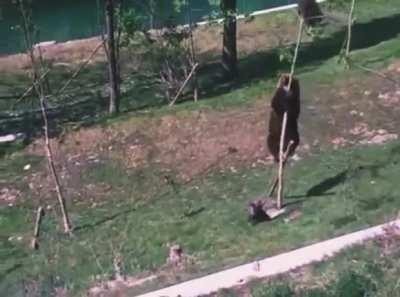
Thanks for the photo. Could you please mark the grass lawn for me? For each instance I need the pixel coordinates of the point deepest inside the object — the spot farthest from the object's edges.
(338, 192)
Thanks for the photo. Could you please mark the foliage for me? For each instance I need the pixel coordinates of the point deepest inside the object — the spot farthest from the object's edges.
(130, 23)
(173, 56)
(166, 53)
(353, 284)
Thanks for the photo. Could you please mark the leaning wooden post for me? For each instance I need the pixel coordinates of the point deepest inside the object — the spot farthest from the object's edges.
(286, 156)
(35, 238)
(279, 201)
(38, 87)
(349, 25)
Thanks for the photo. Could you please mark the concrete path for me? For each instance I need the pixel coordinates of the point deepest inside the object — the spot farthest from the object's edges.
(270, 266)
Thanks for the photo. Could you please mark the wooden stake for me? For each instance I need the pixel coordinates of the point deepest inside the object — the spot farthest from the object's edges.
(349, 25)
(38, 87)
(279, 201)
(286, 156)
(296, 52)
(35, 238)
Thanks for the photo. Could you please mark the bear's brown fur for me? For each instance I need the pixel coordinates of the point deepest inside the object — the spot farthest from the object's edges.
(310, 12)
(284, 100)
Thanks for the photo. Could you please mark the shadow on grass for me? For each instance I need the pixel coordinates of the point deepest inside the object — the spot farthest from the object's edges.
(104, 220)
(324, 187)
(10, 270)
(327, 184)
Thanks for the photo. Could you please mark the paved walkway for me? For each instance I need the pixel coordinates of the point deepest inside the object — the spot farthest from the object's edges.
(270, 266)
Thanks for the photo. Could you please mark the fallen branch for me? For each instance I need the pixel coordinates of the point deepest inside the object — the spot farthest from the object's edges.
(35, 238)
(184, 84)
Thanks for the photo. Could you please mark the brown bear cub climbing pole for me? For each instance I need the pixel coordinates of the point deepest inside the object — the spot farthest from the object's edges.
(311, 13)
(284, 100)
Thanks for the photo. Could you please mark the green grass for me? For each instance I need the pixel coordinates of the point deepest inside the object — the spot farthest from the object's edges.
(207, 218)
(12, 168)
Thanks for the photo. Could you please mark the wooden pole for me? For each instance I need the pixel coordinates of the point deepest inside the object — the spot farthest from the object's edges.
(112, 60)
(279, 201)
(286, 156)
(349, 24)
(229, 46)
(38, 86)
(35, 238)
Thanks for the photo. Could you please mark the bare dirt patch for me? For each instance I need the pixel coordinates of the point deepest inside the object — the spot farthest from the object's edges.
(9, 196)
(258, 34)
(361, 111)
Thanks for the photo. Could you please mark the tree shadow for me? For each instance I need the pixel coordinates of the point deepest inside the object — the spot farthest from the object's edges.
(327, 184)
(323, 188)
(305, 195)
(104, 220)
(10, 270)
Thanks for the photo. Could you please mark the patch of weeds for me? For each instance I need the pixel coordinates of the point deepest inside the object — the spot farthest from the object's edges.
(226, 293)
(352, 284)
(315, 293)
(275, 289)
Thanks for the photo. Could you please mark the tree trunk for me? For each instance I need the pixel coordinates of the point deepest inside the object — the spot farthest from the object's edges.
(193, 52)
(112, 61)
(229, 51)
